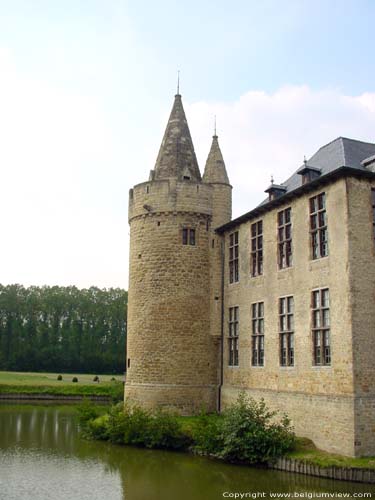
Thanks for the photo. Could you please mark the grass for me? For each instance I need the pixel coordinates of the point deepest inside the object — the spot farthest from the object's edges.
(307, 452)
(47, 383)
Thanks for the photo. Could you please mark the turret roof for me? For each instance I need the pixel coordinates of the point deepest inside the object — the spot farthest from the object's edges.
(176, 156)
(215, 170)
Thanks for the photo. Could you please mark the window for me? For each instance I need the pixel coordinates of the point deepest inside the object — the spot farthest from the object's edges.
(233, 336)
(284, 238)
(286, 329)
(257, 248)
(318, 226)
(257, 358)
(188, 236)
(373, 210)
(233, 258)
(321, 324)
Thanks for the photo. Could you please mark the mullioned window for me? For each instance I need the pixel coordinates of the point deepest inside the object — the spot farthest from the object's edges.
(257, 337)
(233, 336)
(234, 275)
(318, 226)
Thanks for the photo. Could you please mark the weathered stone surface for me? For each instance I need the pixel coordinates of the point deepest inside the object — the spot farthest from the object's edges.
(176, 156)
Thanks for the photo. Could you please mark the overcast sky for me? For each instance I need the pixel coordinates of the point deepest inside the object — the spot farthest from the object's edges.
(86, 88)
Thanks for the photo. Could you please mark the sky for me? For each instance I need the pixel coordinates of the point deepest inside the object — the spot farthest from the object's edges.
(86, 88)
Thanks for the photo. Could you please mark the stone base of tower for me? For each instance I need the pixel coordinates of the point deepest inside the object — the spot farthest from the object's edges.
(184, 399)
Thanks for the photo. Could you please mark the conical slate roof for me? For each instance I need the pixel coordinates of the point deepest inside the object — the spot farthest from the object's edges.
(176, 156)
(215, 170)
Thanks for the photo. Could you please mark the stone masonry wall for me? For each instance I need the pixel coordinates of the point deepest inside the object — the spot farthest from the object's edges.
(304, 384)
(173, 358)
(362, 286)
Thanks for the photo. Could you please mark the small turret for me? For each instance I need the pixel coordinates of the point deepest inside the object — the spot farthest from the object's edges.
(215, 170)
(216, 175)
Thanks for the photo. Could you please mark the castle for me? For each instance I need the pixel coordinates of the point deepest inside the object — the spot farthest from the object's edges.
(278, 302)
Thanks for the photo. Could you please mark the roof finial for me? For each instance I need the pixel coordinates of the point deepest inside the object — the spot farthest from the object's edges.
(178, 82)
(304, 160)
(272, 180)
(215, 135)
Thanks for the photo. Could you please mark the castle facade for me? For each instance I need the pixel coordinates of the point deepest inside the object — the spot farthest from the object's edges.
(279, 302)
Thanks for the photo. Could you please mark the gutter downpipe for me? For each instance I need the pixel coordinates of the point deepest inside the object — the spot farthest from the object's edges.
(222, 325)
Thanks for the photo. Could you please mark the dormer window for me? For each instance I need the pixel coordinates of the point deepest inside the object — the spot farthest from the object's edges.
(369, 163)
(275, 191)
(186, 178)
(308, 173)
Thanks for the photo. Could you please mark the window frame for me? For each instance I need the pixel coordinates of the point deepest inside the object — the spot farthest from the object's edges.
(320, 327)
(286, 331)
(284, 241)
(256, 249)
(189, 236)
(233, 336)
(234, 257)
(257, 334)
(318, 226)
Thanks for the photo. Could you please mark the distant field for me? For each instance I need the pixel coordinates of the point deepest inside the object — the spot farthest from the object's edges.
(47, 383)
(26, 378)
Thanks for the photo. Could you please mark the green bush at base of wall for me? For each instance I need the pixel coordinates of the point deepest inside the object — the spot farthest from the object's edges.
(246, 432)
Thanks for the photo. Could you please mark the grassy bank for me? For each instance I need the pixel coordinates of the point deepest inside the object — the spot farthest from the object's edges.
(48, 383)
(306, 451)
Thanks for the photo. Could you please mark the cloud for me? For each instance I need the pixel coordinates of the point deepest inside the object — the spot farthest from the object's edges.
(66, 164)
(265, 134)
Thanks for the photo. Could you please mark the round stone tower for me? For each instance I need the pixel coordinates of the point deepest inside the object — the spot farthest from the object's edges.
(172, 355)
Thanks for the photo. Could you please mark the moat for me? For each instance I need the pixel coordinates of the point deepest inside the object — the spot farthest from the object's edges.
(43, 457)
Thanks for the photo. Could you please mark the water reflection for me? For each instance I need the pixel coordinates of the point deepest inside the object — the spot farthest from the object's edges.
(42, 457)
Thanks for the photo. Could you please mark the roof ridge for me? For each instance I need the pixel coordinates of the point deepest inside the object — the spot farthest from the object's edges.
(343, 150)
(356, 140)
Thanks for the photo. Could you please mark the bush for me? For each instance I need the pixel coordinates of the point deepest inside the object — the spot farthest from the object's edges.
(164, 430)
(59, 377)
(250, 433)
(96, 379)
(246, 432)
(113, 379)
(133, 425)
(74, 379)
(117, 391)
(207, 435)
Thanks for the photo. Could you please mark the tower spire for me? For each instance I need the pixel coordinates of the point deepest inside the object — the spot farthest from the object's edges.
(215, 171)
(176, 156)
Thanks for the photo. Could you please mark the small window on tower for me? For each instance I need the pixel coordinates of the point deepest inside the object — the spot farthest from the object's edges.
(188, 236)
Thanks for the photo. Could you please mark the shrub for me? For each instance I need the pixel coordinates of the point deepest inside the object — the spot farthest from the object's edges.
(251, 434)
(87, 413)
(207, 435)
(74, 379)
(246, 432)
(59, 377)
(117, 391)
(96, 379)
(164, 431)
(113, 379)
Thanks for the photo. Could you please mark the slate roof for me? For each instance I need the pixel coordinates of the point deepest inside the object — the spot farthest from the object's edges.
(342, 152)
(176, 156)
(215, 171)
(341, 156)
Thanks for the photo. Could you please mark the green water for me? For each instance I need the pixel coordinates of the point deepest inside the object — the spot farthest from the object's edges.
(42, 457)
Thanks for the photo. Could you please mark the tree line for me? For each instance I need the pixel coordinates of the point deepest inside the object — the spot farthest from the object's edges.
(62, 329)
